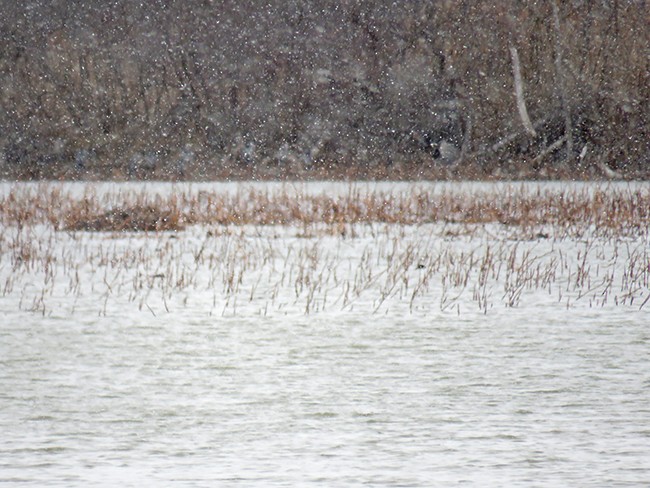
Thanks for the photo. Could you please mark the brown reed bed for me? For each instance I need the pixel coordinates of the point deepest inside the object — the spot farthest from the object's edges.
(127, 219)
(569, 211)
(278, 251)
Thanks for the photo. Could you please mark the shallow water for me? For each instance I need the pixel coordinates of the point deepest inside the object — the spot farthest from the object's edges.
(507, 399)
(323, 187)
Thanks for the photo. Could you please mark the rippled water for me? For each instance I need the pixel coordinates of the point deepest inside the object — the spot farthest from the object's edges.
(519, 397)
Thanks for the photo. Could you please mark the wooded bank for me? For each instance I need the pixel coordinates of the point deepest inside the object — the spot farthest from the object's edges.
(208, 89)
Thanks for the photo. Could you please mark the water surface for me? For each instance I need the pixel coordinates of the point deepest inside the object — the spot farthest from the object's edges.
(512, 398)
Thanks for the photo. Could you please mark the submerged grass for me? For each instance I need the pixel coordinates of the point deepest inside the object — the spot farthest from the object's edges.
(255, 251)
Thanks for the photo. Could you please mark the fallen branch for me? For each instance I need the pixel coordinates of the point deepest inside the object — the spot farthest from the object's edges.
(607, 171)
(504, 141)
(553, 147)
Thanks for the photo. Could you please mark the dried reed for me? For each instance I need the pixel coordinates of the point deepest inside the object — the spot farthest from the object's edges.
(262, 252)
(572, 212)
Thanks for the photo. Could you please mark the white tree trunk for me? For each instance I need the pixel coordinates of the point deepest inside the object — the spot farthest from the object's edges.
(519, 92)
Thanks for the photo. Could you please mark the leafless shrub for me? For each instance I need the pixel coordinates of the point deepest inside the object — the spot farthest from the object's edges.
(127, 92)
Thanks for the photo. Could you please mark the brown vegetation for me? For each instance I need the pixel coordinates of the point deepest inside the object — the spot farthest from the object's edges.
(228, 271)
(265, 251)
(567, 211)
(130, 219)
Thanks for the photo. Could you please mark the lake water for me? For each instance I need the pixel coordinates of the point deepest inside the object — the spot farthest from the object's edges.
(547, 393)
(507, 399)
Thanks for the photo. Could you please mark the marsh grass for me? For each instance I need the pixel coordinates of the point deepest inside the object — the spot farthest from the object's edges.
(615, 212)
(127, 219)
(267, 252)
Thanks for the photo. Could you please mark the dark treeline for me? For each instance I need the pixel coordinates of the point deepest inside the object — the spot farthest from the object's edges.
(209, 89)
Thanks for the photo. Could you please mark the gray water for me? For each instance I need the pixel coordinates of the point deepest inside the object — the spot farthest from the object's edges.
(513, 398)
